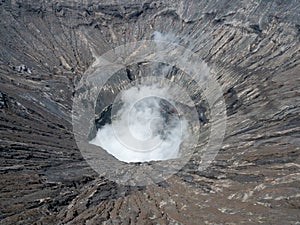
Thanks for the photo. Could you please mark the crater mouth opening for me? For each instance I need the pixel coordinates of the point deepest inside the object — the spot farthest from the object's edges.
(141, 126)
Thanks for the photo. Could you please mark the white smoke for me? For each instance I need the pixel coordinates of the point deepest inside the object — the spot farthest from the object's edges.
(169, 37)
(145, 128)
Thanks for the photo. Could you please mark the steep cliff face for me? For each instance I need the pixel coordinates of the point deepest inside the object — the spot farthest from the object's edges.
(254, 49)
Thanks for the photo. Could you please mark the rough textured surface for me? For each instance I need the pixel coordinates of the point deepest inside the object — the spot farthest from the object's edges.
(255, 51)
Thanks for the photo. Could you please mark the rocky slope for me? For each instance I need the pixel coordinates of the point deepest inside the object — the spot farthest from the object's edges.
(254, 49)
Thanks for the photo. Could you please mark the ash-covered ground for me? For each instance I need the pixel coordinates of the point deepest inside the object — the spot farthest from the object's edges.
(253, 48)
